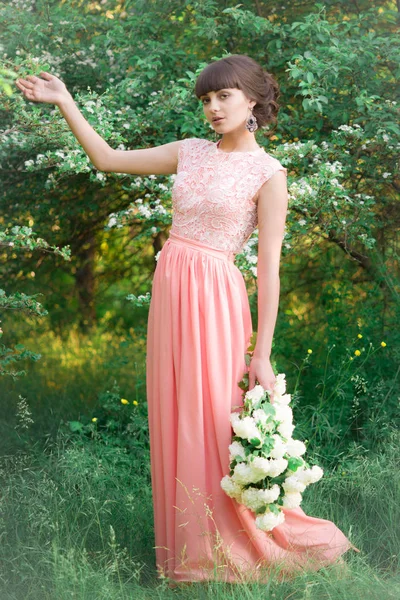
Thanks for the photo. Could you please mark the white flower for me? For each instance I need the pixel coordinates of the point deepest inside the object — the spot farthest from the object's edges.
(283, 413)
(245, 428)
(243, 474)
(269, 520)
(292, 484)
(231, 488)
(157, 256)
(279, 448)
(254, 498)
(277, 466)
(286, 430)
(145, 211)
(259, 468)
(283, 399)
(260, 415)
(256, 394)
(317, 473)
(280, 385)
(295, 447)
(308, 476)
(292, 500)
(236, 449)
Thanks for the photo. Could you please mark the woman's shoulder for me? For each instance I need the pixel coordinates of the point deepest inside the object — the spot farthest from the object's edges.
(191, 151)
(268, 160)
(266, 157)
(266, 165)
(193, 147)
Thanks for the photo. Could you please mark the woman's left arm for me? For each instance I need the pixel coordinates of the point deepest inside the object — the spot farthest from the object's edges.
(272, 211)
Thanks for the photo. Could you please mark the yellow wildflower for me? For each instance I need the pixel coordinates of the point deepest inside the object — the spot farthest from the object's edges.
(309, 351)
(357, 353)
(135, 402)
(383, 344)
(359, 336)
(94, 419)
(124, 401)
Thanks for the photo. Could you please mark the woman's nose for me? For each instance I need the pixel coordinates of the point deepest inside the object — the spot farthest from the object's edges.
(214, 106)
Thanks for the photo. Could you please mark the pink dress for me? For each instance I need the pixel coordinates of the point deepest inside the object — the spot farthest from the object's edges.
(199, 329)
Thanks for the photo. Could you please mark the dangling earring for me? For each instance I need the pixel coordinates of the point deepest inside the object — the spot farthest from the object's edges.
(251, 123)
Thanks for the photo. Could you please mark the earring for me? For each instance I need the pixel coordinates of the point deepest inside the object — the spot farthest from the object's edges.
(251, 123)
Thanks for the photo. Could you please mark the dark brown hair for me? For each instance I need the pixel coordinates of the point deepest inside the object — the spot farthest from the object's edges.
(243, 72)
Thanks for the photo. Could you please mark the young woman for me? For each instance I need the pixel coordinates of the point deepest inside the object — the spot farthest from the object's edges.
(199, 326)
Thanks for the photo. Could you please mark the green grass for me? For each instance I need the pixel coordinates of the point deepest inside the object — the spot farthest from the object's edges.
(76, 515)
(76, 522)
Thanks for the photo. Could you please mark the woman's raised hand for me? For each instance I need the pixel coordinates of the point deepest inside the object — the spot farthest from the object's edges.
(46, 88)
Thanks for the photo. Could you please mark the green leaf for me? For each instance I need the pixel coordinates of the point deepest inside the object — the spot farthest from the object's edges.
(261, 510)
(294, 463)
(75, 426)
(255, 441)
(269, 409)
(239, 458)
(274, 509)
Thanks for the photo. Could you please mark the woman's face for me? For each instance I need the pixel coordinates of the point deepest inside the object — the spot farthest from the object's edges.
(228, 104)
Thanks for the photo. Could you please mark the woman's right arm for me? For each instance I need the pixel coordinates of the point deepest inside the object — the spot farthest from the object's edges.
(159, 160)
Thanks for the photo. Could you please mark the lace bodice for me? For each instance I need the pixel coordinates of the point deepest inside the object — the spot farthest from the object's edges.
(215, 193)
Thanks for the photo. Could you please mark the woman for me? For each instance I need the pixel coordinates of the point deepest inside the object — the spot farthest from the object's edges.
(199, 327)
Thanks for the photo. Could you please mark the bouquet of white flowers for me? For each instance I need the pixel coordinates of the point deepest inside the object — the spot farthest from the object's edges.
(266, 468)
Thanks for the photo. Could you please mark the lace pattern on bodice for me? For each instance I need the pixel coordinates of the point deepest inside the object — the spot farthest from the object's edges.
(214, 193)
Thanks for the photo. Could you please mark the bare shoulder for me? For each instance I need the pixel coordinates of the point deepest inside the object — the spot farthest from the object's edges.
(157, 160)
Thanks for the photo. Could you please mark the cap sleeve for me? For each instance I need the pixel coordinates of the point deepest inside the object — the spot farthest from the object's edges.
(268, 170)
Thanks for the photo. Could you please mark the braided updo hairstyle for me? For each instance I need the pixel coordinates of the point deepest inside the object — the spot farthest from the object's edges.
(243, 72)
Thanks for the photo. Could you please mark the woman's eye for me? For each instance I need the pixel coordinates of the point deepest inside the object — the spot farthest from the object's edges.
(222, 96)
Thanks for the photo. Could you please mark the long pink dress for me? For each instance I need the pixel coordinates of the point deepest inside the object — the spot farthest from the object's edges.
(199, 329)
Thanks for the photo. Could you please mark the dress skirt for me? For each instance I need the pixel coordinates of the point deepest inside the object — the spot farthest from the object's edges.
(199, 329)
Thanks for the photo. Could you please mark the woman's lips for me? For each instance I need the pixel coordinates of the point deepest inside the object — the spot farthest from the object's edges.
(219, 120)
